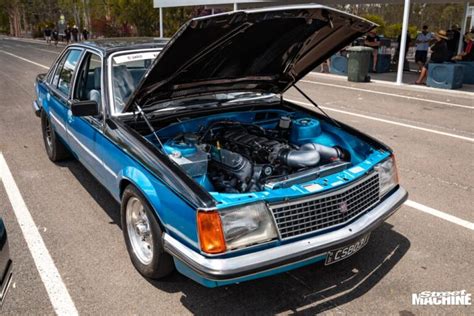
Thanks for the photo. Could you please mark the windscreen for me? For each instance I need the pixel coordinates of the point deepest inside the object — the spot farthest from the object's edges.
(127, 71)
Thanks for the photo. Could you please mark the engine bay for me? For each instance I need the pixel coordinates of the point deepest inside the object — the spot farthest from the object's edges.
(244, 152)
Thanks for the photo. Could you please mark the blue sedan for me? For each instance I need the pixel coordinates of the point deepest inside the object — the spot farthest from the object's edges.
(218, 176)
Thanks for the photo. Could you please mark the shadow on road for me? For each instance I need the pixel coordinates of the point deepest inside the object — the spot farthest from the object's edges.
(95, 189)
(309, 290)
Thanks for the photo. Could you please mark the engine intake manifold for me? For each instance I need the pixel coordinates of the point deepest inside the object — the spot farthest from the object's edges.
(310, 154)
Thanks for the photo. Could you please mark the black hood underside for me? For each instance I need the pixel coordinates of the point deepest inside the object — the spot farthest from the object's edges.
(265, 50)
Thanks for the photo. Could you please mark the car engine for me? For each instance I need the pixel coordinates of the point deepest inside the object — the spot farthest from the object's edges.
(240, 157)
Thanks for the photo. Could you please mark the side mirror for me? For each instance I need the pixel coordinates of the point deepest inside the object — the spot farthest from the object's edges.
(84, 108)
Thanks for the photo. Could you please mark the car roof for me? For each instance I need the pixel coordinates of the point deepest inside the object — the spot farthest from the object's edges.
(111, 45)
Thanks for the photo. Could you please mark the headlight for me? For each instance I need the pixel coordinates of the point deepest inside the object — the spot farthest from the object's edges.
(247, 225)
(388, 176)
(234, 228)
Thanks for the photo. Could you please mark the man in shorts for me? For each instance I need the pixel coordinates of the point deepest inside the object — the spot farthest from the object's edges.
(47, 35)
(423, 40)
(373, 41)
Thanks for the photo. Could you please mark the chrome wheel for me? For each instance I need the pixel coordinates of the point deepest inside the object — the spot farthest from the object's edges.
(139, 232)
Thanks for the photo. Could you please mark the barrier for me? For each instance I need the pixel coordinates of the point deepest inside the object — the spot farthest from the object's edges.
(468, 71)
(338, 65)
(383, 63)
(445, 76)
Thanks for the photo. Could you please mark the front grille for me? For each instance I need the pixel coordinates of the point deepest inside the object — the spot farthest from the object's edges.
(311, 214)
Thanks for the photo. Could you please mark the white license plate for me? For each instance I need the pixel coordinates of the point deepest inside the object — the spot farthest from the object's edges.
(342, 253)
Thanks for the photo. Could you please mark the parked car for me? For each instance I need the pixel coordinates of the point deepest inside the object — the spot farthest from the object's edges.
(217, 174)
(6, 266)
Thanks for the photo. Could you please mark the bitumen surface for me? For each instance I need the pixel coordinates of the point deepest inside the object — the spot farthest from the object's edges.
(431, 132)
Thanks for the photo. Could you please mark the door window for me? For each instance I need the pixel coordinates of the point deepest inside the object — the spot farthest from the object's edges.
(65, 71)
(89, 83)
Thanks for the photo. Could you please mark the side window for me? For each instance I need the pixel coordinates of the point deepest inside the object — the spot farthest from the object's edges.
(89, 83)
(65, 71)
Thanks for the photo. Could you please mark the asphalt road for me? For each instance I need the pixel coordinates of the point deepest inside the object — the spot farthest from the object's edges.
(431, 132)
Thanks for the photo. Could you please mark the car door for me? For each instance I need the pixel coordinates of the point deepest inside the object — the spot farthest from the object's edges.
(60, 86)
(84, 131)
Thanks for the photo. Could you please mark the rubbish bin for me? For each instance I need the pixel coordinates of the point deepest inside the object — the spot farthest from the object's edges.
(358, 63)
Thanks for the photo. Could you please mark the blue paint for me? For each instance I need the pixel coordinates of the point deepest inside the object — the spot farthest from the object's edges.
(304, 130)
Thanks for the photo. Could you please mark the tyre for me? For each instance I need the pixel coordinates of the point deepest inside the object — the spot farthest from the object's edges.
(142, 234)
(54, 147)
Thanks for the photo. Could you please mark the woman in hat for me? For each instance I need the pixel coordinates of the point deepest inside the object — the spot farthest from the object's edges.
(468, 54)
(439, 54)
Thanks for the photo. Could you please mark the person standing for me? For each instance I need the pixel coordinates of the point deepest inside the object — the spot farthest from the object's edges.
(439, 54)
(75, 34)
(55, 37)
(47, 35)
(422, 41)
(373, 41)
(85, 34)
(453, 42)
(67, 34)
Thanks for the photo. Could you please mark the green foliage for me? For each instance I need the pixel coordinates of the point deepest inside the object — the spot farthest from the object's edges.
(174, 18)
(138, 17)
(393, 30)
(378, 20)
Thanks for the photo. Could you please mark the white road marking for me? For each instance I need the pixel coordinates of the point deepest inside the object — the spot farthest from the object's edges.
(388, 121)
(46, 50)
(57, 291)
(413, 88)
(442, 215)
(389, 94)
(24, 59)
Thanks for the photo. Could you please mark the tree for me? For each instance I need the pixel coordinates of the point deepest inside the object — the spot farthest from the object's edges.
(378, 20)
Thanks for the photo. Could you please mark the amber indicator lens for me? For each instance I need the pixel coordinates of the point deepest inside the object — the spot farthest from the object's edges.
(211, 236)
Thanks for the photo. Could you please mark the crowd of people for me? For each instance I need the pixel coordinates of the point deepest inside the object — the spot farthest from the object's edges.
(443, 46)
(70, 35)
(438, 47)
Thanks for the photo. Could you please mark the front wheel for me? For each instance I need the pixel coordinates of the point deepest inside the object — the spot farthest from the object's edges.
(142, 234)
(54, 147)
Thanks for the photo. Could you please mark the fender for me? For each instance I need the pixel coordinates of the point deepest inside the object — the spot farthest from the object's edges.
(142, 182)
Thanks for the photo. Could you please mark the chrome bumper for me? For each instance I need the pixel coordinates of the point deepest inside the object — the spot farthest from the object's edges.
(295, 252)
(36, 108)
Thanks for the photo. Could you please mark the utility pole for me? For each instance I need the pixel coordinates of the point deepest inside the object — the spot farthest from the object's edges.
(403, 41)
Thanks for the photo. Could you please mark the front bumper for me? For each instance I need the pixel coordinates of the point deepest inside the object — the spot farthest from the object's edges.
(287, 257)
(36, 108)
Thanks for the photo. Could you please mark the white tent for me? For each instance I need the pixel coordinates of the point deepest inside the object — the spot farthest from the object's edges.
(468, 11)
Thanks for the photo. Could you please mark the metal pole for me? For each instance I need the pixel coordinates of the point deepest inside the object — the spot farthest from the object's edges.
(471, 12)
(161, 22)
(463, 28)
(235, 6)
(403, 42)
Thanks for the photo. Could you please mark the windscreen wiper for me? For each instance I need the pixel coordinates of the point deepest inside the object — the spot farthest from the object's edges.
(316, 105)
